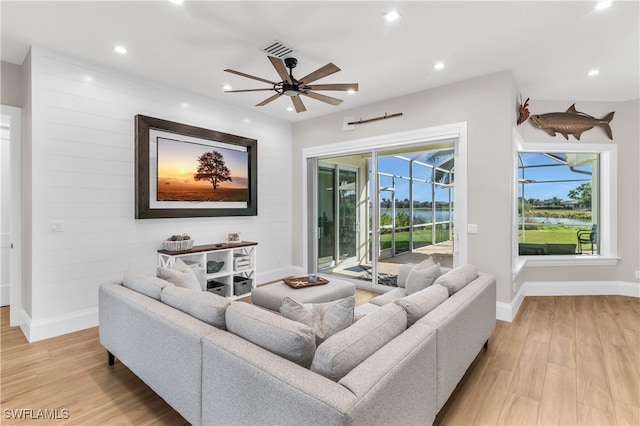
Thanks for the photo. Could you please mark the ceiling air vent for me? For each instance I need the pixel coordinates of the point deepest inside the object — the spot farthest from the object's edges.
(278, 49)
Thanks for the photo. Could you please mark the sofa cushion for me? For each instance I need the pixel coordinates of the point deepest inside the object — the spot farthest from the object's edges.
(144, 283)
(343, 351)
(403, 273)
(205, 306)
(201, 275)
(325, 319)
(422, 302)
(389, 296)
(289, 339)
(457, 278)
(181, 275)
(421, 278)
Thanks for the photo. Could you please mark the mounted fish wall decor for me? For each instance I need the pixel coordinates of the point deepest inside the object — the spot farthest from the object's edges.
(523, 112)
(571, 122)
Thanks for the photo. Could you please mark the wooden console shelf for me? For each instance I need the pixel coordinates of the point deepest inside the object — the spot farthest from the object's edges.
(236, 277)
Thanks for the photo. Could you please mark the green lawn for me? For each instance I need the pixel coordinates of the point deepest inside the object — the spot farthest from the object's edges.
(551, 234)
(421, 238)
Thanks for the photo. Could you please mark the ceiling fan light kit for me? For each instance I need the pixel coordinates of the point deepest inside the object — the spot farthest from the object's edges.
(293, 88)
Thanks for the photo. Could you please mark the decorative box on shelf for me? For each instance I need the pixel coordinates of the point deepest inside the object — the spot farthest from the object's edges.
(241, 285)
(229, 268)
(217, 287)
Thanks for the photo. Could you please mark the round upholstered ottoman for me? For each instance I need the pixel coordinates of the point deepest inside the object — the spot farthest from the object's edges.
(270, 296)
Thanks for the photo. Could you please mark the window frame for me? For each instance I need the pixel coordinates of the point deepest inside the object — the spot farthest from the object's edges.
(608, 201)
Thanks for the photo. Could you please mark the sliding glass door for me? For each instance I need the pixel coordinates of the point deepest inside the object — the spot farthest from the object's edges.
(380, 209)
(337, 215)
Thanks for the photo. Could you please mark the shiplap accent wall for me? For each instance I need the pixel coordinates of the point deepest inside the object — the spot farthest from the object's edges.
(83, 175)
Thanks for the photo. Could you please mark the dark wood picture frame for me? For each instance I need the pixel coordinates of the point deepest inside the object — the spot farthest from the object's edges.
(144, 210)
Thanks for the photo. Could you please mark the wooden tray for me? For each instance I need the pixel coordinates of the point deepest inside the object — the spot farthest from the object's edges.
(302, 282)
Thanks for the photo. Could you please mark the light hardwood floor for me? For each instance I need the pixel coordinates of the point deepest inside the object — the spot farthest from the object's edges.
(564, 360)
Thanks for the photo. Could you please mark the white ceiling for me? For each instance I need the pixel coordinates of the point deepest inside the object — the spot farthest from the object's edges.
(549, 46)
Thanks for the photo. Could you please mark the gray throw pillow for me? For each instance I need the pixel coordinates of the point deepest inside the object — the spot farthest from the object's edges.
(422, 302)
(421, 278)
(181, 275)
(205, 306)
(289, 339)
(457, 278)
(343, 351)
(403, 273)
(325, 319)
(144, 283)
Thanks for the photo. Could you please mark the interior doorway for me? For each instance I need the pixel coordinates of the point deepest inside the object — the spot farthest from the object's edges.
(10, 211)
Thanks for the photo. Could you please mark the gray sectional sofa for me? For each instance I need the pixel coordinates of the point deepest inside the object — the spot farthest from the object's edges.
(221, 362)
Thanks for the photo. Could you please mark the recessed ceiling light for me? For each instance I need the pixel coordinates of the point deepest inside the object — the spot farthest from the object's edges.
(392, 15)
(226, 87)
(601, 5)
(178, 2)
(120, 49)
(289, 108)
(593, 73)
(438, 65)
(351, 91)
(184, 105)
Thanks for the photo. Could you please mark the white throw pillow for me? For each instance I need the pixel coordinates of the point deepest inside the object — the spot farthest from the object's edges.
(403, 273)
(325, 319)
(181, 275)
(421, 278)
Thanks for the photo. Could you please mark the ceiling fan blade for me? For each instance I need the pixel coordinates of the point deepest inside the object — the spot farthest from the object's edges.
(319, 73)
(323, 98)
(297, 102)
(269, 99)
(278, 64)
(344, 87)
(246, 90)
(249, 76)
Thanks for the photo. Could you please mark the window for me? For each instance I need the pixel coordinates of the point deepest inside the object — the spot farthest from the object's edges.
(564, 203)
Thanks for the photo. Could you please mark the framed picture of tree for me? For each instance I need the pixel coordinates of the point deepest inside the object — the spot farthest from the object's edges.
(187, 171)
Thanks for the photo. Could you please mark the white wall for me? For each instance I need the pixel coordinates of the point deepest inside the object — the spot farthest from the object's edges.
(487, 105)
(82, 172)
(11, 84)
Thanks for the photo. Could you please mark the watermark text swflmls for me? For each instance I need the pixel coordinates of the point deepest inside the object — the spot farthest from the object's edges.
(36, 414)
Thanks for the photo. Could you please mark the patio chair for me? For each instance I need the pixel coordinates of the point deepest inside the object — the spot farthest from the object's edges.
(587, 238)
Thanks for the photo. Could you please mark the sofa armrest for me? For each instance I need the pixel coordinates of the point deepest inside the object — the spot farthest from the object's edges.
(160, 344)
(464, 322)
(243, 383)
(397, 384)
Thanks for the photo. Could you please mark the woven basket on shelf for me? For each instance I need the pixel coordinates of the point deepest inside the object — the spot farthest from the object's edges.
(177, 245)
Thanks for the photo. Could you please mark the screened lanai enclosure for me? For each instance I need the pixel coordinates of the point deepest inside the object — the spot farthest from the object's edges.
(378, 210)
(558, 203)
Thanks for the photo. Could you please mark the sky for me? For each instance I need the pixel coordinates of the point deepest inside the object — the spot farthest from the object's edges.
(178, 160)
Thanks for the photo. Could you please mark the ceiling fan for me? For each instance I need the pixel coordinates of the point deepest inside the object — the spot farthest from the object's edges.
(293, 88)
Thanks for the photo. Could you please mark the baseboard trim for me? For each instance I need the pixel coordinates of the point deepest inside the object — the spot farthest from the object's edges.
(508, 311)
(46, 328)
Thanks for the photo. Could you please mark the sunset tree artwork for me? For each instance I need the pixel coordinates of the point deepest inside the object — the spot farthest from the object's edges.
(211, 167)
(198, 172)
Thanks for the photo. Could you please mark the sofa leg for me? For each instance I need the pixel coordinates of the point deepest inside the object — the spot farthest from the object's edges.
(112, 359)
(486, 344)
